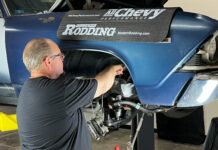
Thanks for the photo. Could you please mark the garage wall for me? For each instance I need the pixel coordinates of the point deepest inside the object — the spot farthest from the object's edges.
(205, 7)
(210, 111)
(208, 8)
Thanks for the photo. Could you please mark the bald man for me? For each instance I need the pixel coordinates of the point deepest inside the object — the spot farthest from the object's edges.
(49, 111)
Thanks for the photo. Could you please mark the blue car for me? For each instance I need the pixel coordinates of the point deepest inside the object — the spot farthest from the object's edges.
(170, 57)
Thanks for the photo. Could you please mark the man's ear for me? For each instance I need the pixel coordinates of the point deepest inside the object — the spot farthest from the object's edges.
(47, 61)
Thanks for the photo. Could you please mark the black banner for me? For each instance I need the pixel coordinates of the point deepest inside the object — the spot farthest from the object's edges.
(126, 24)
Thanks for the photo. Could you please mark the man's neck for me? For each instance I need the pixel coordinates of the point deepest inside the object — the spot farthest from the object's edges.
(37, 75)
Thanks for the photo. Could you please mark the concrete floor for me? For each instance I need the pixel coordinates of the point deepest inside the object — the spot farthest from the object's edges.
(10, 140)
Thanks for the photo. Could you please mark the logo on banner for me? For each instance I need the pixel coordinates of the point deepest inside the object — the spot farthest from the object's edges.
(88, 29)
(130, 13)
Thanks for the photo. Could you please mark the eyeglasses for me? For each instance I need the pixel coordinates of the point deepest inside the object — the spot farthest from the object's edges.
(61, 55)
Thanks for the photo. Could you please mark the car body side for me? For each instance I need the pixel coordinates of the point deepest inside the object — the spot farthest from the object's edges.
(153, 66)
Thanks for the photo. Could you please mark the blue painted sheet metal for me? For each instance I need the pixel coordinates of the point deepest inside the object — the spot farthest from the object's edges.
(167, 93)
(151, 65)
(18, 32)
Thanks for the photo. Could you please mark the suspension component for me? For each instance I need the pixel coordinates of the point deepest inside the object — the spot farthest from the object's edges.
(96, 128)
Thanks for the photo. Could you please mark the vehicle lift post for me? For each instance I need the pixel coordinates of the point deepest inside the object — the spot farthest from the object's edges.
(145, 138)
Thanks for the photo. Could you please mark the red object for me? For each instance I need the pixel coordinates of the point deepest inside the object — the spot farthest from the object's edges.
(117, 148)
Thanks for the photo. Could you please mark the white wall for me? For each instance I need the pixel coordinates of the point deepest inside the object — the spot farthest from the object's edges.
(210, 111)
(208, 8)
(205, 7)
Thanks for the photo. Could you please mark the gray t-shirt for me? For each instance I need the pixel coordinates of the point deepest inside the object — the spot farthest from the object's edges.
(50, 116)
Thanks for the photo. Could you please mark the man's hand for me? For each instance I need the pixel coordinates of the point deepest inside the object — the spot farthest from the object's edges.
(118, 69)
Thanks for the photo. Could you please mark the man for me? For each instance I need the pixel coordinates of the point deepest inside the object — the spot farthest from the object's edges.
(49, 111)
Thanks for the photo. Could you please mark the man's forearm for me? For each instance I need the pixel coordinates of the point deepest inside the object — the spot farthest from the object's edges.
(106, 78)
